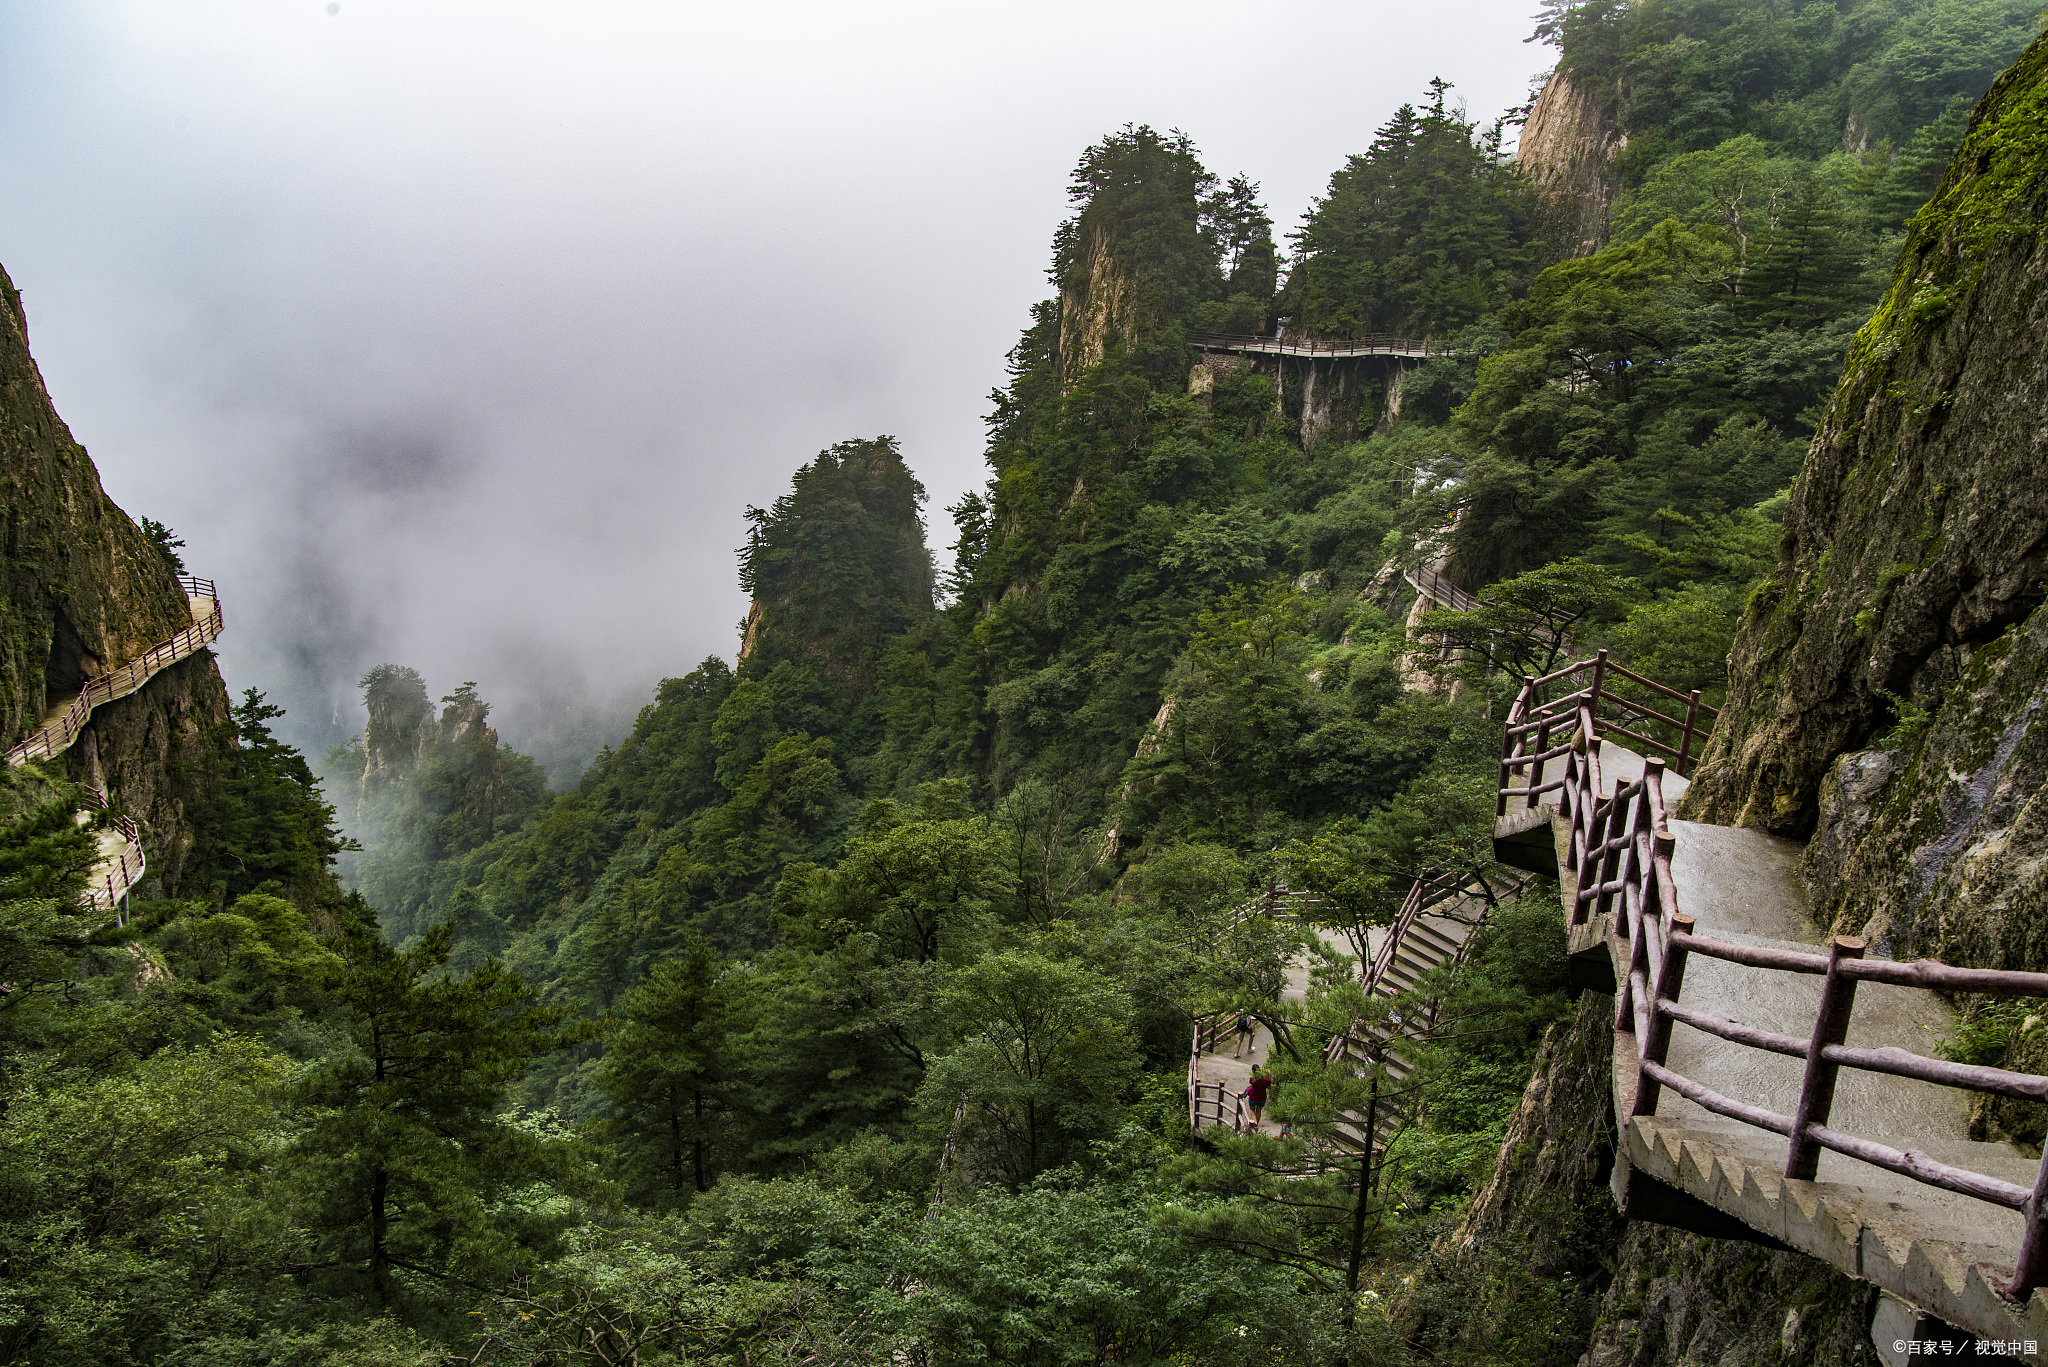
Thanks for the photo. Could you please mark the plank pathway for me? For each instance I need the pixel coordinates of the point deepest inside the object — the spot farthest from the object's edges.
(1413, 348)
(120, 866)
(1801, 1105)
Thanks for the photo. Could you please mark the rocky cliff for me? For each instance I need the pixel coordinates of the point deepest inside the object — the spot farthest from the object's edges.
(1889, 684)
(1568, 151)
(82, 590)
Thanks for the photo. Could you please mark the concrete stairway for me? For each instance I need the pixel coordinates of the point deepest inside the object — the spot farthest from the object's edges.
(1941, 1254)
(1428, 942)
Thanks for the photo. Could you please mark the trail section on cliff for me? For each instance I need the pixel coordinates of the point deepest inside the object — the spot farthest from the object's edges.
(121, 863)
(1800, 1106)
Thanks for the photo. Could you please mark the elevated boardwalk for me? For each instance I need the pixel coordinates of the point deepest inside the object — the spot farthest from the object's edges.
(1801, 1104)
(1410, 348)
(121, 864)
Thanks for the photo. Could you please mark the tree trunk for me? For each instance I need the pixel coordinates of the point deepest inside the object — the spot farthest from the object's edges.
(380, 1265)
(1358, 1212)
(697, 1144)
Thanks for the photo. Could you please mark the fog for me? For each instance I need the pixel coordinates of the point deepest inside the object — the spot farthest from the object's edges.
(461, 335)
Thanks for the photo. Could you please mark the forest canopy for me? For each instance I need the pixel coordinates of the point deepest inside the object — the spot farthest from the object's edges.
(841, 1011)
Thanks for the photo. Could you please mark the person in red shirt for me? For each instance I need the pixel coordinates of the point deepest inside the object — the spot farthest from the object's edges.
(1255, 1093)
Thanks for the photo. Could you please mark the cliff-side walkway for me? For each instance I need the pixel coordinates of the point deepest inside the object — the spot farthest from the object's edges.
(1412, 348)
(1707, 927)
(121, 863)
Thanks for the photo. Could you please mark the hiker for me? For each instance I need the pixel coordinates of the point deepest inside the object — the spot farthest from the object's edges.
(1255, 1093)
(1247, 1030)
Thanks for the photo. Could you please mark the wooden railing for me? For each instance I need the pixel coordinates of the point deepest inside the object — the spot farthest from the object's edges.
(1620, 853)
(113, 879)
(1213, 1103)
(1438, 589)
(1275, 901)
(56, 736)
(1427, 891)
(1372, 344)
(1570, 719)
(116, 877)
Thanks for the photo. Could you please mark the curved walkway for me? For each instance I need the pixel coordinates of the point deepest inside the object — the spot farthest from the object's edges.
(63, 723)
(121, 864)
(1794, 1109)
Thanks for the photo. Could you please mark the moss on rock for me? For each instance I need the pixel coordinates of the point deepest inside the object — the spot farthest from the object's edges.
(1918, 531)
(81, 591)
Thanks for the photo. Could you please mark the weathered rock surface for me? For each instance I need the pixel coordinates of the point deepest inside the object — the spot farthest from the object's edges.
(1567, 152)
(1904, 615)
(1678, 1299)
(82, 590)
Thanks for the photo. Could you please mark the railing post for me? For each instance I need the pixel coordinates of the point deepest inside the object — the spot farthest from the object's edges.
(2032, 1270)
(1507, 753)
(1593, 695)
(1692, 712)
(1655, 1043)
(1830, 1026)
(1536, 770)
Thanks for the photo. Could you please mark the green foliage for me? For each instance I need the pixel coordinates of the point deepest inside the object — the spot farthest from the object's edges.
(166, 543)
(1524, 625)
(669, 1080)
(133, 1222)
(1046, 1055)
(1421, 234)
(837, 565)
(262, 822)
(407, 1170)
(923, 888)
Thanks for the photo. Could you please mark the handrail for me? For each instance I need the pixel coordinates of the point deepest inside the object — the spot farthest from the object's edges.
(1371, 344)
(122, 873)
(1543, 718)
(56, 736)
(1201, 1104)
(116, 877)
(1619, 852)
(1438, 589)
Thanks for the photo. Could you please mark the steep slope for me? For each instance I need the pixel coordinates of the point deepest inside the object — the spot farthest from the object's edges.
(1567, 153)
(1904, 620)
(82, 589)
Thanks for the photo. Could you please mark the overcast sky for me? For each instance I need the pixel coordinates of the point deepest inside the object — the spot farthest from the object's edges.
(460, 335)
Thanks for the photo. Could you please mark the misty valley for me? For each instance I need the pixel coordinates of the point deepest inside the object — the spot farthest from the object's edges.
(1219, 892)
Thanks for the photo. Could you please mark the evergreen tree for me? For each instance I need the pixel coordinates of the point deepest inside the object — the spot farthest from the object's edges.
(669, 1079)
(408, 1165)
(261, 821)
(1422, 233)
(837, 565)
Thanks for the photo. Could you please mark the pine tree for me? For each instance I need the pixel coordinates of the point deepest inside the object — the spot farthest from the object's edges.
(668, 1078)
(409, 1166)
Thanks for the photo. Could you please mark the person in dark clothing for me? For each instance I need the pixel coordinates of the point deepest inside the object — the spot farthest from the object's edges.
(1255, 1093)
(1246, 1028)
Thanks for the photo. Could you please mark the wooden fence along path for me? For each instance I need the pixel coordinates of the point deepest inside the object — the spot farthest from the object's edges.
(1933, 1234)
(1419, 942)
(1415, 348)
(121, 866)
(55, 736)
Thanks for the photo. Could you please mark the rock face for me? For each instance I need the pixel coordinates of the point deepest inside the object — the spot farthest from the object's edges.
(1568, 152)
(1678, 1299)
(1098, 310)
(81, 590)
(1903, 627)
(1658, 1297)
